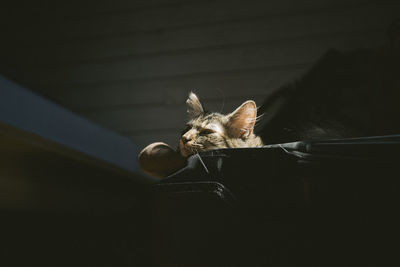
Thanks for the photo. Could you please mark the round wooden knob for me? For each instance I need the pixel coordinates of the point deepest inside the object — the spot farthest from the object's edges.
(160, 160)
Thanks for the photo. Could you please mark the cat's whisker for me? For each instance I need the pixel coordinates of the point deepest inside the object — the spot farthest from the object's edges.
(260, 116)
(223, 100)
(202, 162)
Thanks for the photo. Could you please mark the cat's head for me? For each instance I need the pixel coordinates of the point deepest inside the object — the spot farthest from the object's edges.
(210, 130)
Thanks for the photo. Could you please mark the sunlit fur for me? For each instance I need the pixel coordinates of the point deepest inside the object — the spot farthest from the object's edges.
(208, 131)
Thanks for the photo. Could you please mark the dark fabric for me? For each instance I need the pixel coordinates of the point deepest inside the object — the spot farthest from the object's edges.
(316, 203)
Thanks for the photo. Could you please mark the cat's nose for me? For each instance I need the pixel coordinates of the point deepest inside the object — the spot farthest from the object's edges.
(185, 139)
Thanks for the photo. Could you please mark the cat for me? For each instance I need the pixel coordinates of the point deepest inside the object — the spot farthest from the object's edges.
(345, 94)
(211, 130)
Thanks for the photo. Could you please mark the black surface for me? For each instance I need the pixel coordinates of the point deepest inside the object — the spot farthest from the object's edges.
(320, 203)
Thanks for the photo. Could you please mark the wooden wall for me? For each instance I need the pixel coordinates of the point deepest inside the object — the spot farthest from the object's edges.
(128, 65)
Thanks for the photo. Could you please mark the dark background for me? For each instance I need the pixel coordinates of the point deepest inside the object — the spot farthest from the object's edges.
(129, 65)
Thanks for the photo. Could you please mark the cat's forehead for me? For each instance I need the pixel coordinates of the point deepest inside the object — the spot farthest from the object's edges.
(213, 121)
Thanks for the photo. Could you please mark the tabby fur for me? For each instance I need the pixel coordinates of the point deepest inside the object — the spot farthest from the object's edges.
(211, 130)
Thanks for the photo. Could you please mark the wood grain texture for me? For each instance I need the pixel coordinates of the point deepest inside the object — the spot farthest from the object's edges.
(299, 51)
(370, 16)
(160, 92)
(186, 14)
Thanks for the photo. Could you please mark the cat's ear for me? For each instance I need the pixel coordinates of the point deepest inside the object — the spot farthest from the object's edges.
(194, 107)
(241, 121)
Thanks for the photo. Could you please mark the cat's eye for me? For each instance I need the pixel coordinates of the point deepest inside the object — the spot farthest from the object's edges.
(206, 131)
(188, 127)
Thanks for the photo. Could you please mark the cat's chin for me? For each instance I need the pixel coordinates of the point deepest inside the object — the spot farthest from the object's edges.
(186, 153)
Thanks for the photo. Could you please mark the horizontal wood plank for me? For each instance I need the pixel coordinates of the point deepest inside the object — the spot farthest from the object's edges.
(372, 16)
(276, 55)
(179, 16)
(77, 9)
(172, 92)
